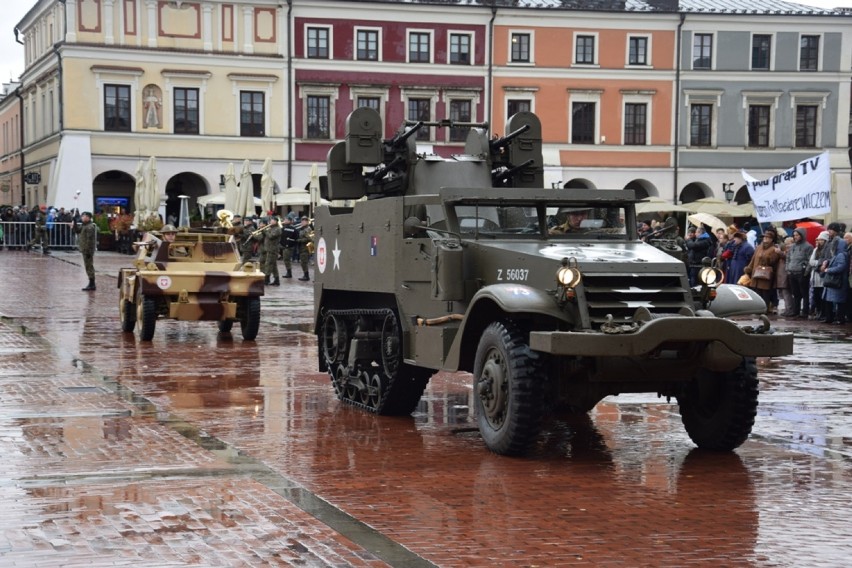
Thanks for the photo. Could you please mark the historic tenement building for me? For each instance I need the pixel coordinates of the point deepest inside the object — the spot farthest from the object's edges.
(669, 98)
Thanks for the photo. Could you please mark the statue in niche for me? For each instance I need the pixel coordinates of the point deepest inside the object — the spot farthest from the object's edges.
(152, 102)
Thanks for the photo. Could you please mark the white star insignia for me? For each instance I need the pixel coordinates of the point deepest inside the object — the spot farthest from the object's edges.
(336, 253)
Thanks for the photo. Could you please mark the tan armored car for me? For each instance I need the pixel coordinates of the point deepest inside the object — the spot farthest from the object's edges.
(546, 295)
(197, 277)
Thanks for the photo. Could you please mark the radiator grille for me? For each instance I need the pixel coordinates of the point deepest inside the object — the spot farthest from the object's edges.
(621, 294)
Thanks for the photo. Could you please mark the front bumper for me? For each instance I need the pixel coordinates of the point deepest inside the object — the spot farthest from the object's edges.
(650, 336)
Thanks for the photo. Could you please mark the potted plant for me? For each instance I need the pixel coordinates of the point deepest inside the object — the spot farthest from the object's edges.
(106, 238)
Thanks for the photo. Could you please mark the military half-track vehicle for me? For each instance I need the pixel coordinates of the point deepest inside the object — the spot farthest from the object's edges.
(196, 277)
(547, 296)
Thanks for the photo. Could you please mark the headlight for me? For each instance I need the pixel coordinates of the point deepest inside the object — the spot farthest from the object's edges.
(568, 277)
(710, 276)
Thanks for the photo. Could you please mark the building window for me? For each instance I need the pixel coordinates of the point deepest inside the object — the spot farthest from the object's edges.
(637, 53)
(367, 48)
(583, 123)
(186, 111)
(758, 126)
(374, 103)
(520, 48)
(761, 46)
(318, 43)
(585, 54)
(460, 111)
(117, 108)
(319, 108)
(418, 109)
(514, 106)
(635, 121)
(252, 113)
(419, 50)
(809, 55)
(806, 126)
(460, 49)
(702, 51)
(701, 125)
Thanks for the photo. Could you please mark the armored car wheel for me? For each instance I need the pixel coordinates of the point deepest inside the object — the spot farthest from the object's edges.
(226, 325)
(250, 320)
(718, 409)
(146, 318)
(507, 390)
(127, 311)
(334, 339)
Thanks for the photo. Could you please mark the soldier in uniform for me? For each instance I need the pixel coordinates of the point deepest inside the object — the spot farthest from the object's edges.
(271, 244)
(39, 231)
(87, 241)
(304, 253)
(245, 242)
(289, 239)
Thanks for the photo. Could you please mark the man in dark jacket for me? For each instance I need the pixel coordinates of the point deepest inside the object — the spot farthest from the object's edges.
(86, 242)
(289, 240)
(698, 246)
(798, 277)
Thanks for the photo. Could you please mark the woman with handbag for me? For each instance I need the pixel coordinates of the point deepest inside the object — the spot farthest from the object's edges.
(763, 267)
(836, 285)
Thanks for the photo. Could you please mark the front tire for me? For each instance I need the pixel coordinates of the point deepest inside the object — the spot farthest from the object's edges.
(127, 311)
(147, 318)
(507, 388)
(718, 409)
(250, 321)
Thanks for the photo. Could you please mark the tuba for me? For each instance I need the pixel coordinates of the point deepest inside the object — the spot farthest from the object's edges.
(225, 218)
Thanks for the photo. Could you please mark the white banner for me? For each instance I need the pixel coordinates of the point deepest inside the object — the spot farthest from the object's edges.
(802, 191)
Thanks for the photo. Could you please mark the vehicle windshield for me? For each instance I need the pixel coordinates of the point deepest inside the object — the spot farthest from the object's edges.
(540, 220)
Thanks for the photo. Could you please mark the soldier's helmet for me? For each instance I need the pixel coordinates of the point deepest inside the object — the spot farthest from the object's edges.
(168, 229)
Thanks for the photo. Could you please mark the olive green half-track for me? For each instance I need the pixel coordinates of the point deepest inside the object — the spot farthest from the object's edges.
(197, 277)
(546, 295)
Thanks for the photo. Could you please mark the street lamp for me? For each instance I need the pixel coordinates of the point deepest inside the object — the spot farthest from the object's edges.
(221, 182)
(556, 184)
(728, 190)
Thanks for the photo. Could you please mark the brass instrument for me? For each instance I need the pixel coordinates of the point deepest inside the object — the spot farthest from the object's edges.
(225, 217)
(310, 244)
(259, 231)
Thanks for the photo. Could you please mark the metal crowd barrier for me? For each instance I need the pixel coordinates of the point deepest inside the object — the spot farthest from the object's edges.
(16, 235)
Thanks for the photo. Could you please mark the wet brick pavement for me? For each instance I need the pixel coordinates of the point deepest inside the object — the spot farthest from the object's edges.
(201, 449)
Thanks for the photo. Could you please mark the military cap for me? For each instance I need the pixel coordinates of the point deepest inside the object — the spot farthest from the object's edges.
(89, 213)
(168, 229)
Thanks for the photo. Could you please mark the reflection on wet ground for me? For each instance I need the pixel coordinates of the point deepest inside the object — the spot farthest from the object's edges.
(200, 448)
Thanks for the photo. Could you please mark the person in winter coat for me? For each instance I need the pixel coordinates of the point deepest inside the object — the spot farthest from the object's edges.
(798, 255)
(767, 254)
(815, 277)
(740, 257)
(834, 299)
(698, 246)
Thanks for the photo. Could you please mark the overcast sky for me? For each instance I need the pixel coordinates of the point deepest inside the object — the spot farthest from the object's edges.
(12, 53)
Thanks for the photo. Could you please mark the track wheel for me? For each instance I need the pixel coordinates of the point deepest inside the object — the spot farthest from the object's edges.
(507, 390)
(333, 340)
(718, 409)
(250, 320)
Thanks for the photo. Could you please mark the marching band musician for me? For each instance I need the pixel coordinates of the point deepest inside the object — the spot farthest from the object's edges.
(305, 237)
(271, 244)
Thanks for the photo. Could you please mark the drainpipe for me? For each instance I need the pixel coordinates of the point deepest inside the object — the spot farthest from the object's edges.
(491, 62)
(290, 94)
(21, 136)
(677, 104)
(59, 63)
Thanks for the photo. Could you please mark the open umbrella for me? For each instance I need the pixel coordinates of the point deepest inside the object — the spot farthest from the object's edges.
(267, 186)
(230, 179)
(245, 195)
(658, 205)
(716, 207)
(294, 196)
(812, 230)
(707, 219)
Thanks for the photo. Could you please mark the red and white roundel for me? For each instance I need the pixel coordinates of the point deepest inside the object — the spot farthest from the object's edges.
(322, 255)
(164, 282)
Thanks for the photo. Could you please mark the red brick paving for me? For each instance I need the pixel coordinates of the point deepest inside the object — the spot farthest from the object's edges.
(625, 490)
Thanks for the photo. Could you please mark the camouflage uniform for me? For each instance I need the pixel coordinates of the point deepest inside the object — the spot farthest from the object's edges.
(271, 244)
(87, 242)
(39, 233)
(304, 253)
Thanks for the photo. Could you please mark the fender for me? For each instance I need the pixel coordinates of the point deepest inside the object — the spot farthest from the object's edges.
(509, 298)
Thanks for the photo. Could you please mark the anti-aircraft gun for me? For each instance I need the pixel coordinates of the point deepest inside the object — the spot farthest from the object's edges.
(452, 263)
